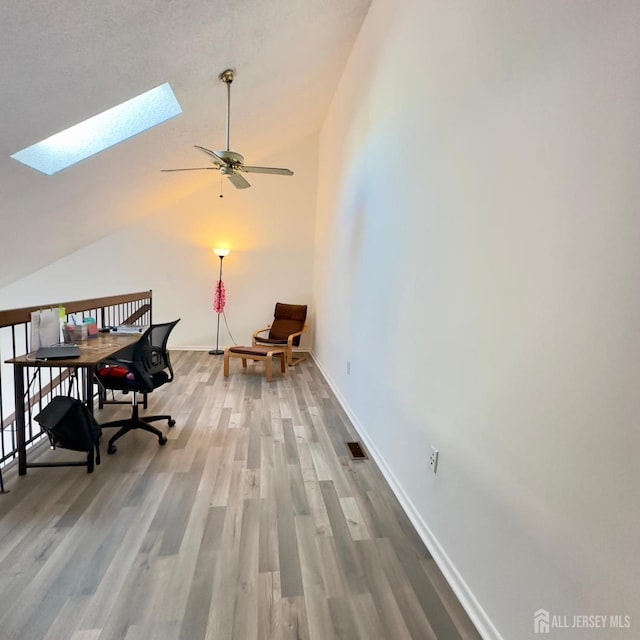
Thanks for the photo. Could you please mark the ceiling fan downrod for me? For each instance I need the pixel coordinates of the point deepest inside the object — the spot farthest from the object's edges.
(227, 77)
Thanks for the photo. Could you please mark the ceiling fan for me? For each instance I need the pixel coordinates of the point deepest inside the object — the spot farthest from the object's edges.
(228, 162)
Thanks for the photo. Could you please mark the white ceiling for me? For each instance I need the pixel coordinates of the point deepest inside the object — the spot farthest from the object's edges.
(65, 61)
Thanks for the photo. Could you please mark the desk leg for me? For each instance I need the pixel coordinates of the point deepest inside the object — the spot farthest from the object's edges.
(88, 391)
(18, 386)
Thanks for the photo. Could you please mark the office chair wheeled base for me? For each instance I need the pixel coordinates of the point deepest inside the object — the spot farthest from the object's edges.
(135, 422)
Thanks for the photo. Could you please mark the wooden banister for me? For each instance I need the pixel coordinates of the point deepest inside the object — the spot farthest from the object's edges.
(17, 316)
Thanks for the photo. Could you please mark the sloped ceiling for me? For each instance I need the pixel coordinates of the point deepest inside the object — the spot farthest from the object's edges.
(65, 61)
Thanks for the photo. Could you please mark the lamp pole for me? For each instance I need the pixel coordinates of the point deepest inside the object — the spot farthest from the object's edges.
(221, 253)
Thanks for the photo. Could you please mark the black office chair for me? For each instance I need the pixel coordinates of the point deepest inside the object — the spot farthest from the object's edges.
(140, 368)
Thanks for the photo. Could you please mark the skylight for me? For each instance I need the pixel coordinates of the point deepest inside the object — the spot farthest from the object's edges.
(101, 131)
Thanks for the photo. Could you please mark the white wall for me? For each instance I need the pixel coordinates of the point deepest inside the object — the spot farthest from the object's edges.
(477, 264)
(268, 227)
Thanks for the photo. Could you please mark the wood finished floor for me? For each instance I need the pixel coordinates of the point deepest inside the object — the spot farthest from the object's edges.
(252, 523)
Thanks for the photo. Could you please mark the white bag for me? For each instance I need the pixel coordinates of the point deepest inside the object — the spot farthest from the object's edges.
(45, 328)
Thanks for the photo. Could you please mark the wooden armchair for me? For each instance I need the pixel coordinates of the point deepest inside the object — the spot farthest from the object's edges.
(285, 330)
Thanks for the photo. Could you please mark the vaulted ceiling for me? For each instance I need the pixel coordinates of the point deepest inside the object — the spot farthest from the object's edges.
(65, 61)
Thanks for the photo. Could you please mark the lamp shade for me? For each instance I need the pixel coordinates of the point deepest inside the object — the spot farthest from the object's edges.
(221, 253)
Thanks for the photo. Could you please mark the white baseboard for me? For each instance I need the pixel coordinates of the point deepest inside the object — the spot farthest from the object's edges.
(468, 601)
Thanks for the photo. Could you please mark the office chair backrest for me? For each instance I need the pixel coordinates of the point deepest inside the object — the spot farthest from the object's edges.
(288, 319)
(150, 358)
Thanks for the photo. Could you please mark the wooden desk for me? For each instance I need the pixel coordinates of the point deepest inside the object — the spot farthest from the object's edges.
(92, 352)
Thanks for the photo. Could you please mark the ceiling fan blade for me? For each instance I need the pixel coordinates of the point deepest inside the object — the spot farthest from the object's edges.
(213, 154)
(238, 181)
(194, 169)
(274, 170)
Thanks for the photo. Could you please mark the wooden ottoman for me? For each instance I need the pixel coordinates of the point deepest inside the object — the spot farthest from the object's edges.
(256, 353)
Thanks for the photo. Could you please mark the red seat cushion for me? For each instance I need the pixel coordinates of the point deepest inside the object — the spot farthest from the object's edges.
(115, 372)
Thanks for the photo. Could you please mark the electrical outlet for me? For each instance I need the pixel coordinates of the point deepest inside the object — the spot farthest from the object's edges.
(348, 367)
(433, 459)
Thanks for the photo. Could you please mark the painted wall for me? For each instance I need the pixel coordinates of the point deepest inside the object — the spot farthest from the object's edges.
(269, 229)
(477, 265)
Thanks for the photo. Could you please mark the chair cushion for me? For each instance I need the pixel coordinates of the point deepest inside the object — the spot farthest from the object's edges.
(287, 319)
(297, 312)
(121, 378)
(115, 372)
(266, 340)
(254, 351)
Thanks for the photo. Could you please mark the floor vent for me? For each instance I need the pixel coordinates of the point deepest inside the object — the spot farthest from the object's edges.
(356, 451)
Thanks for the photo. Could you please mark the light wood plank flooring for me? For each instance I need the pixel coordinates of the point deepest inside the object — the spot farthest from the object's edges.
(252, 523)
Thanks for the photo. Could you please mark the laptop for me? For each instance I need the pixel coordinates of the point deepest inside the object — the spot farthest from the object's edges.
(63, 352)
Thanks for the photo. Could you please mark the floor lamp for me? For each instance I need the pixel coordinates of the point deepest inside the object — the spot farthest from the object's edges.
(221, 253)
